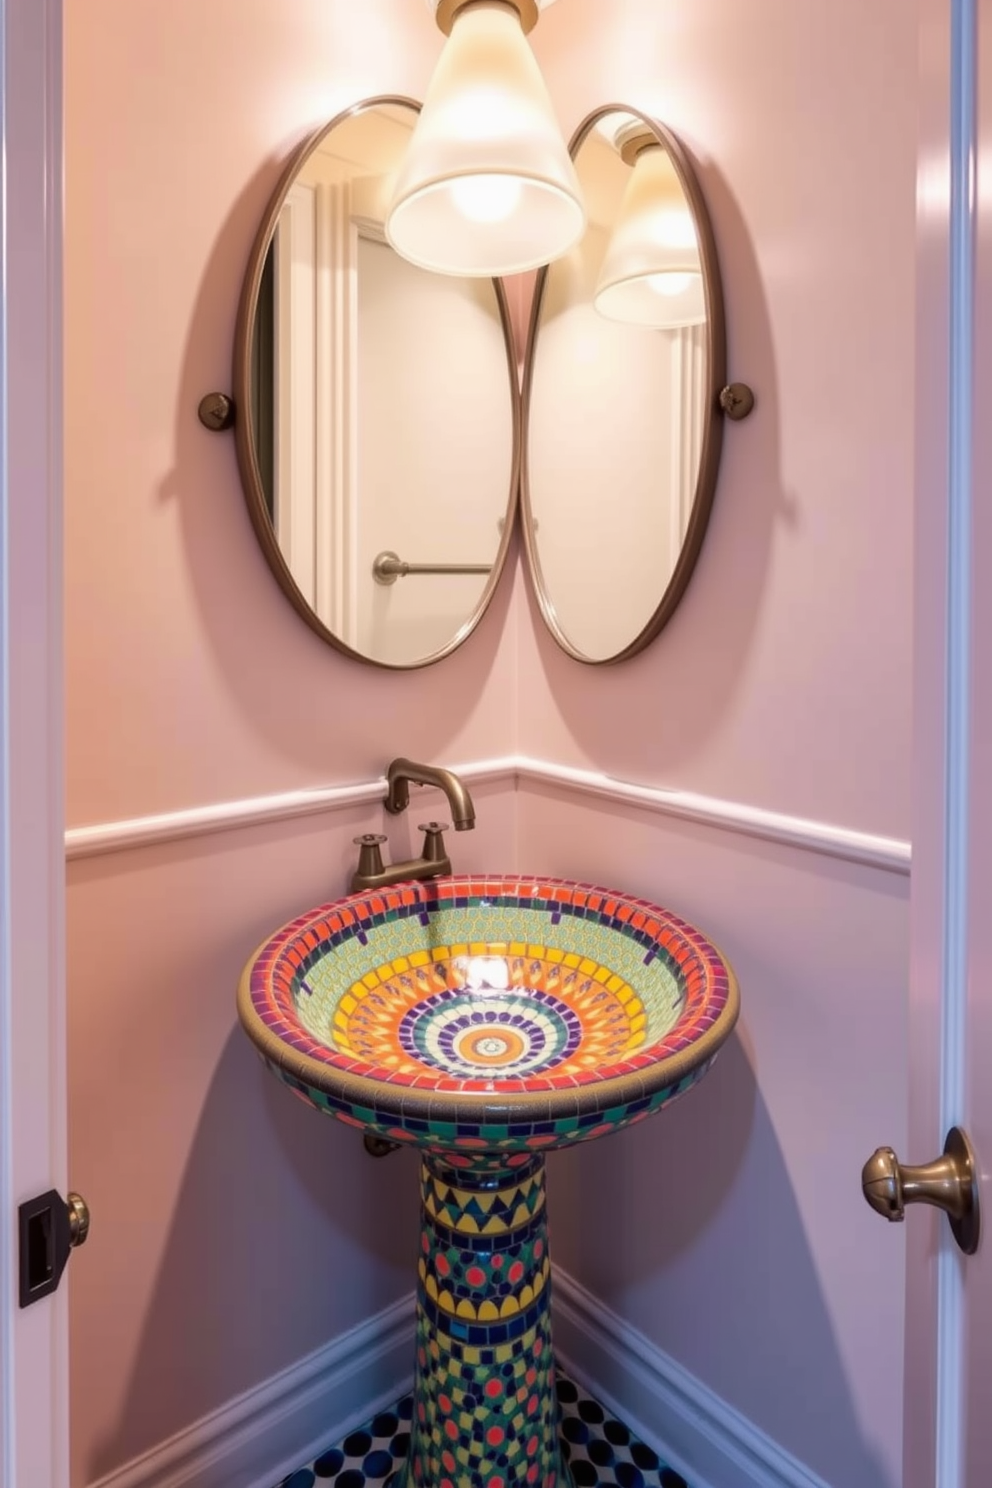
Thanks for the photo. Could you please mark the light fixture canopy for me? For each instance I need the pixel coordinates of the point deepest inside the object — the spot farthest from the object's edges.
(445, 11)
(652, 274)
(487, 186)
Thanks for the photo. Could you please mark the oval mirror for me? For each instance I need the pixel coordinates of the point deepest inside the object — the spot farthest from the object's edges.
(622, 420)
(378, 413)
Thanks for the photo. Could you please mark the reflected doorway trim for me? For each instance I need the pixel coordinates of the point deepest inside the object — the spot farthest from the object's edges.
(689, 394)
(248, 465)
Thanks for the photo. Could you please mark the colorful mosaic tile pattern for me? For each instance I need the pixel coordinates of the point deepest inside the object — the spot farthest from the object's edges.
(503, 1132)
(485, 1406)
(601, 1451)
(493, 1012)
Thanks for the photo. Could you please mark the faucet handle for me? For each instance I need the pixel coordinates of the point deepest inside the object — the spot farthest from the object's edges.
(370, 856)
(434, 841)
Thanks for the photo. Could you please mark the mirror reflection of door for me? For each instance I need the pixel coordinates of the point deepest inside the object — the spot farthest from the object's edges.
(263, 409)
(446, 456)
(380, 409)
(618, 404)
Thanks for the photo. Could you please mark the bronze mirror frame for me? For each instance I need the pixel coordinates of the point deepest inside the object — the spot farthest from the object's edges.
(721, 400)
(245, 443)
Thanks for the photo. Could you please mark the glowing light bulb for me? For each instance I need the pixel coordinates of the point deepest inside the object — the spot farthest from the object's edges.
(488, 198)
(671, 285)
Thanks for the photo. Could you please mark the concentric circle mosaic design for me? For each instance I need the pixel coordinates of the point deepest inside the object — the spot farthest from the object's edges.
(376, 1008)
(491, 1014)
(461, 1033)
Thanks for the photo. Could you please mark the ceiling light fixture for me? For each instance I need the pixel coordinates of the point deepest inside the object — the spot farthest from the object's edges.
(652, 274)
(487, 186)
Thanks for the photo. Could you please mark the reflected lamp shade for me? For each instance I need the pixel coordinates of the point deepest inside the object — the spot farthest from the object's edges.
(652, 274)
(487, 186)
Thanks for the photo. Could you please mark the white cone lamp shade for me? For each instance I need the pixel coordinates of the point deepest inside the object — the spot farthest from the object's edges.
(652, 274)
(487, 186)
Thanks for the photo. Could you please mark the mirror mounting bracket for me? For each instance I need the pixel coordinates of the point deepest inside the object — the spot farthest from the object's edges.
(737, 401)
(216, 412)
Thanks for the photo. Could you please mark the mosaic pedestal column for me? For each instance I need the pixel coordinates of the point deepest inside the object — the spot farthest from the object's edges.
(485, 1411)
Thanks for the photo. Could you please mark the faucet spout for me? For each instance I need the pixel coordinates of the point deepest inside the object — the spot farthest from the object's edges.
(433, 861)
(403, 773)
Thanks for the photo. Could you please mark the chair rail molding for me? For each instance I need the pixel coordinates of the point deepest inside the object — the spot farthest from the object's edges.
(890, 854)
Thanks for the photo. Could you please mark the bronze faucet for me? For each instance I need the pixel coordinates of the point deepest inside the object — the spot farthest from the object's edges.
(403, 772)
(434, 861)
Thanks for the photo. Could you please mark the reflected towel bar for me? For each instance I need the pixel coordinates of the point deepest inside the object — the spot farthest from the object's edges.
(388, 567)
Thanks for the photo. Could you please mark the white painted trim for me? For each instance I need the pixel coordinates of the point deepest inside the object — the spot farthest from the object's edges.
(295, 387)
(931, 577)
(335, 408)
(952, 1383)
(266, 1433)
(34, 1413)
(257, 1439)
(887, 853)
(198, 821)
(678, 455)
(709, 1442)
(688, 358)
(327, 424)
(866, 848)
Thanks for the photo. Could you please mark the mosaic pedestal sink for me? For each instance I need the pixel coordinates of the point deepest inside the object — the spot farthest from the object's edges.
(487, 1020)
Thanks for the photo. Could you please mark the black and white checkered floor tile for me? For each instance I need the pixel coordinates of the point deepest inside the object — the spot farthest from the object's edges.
(602, 1452)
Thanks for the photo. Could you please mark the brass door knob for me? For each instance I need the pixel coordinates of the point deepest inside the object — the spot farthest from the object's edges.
(79, 1219)
(950, 1183)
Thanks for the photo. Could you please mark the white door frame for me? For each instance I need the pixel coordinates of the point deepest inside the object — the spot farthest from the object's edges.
(33, 1342)
(946, 212)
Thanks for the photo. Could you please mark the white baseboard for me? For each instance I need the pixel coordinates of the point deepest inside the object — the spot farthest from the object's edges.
(259, 1438)
(256, 1440)
(701, 1436)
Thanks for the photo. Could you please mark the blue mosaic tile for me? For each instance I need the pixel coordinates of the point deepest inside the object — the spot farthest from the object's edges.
(601, 1451)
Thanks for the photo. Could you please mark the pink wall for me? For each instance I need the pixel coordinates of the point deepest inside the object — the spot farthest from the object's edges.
(179, 120)
(737, 1239)
(203, 1178)
(734, 1234)
(790, 655)
(180, 652)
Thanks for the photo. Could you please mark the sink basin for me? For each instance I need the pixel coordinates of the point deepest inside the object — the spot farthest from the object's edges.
(488, 1014)
(487, 1019)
